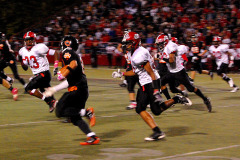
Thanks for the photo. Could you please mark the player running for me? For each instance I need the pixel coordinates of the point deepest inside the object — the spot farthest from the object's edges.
(72, 103)
(143, 65)
(35, 56)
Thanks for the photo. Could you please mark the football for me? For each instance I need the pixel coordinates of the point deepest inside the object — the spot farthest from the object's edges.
(63, 70)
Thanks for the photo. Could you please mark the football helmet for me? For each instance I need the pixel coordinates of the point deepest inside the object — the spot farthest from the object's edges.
(194, 38)
(216, 40)
(174, 39)
(69, 42)
(131, 41)
(29, 38)
(161, 41)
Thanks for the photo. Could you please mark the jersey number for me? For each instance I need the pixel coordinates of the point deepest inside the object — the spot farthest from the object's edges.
(32, 61)
(195, 50)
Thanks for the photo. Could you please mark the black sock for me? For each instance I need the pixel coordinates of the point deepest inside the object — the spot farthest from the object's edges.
(156, 129)
(83, 126)
(11, 88)
(21, 81)
(199, 93)
(166, 93)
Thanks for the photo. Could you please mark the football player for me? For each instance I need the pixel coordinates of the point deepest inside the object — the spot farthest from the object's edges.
(194, 52)
(7, 58)
(149, 79)
(223, 59)
(176, 68)
(35, 56)
(7, 85)
(72, 103)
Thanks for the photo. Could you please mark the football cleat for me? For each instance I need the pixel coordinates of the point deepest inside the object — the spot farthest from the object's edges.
(15, 94)
(235, 89)
(155, 136)
(123, 85)
(52, 105)
(131, 106)
(211, 75)
(91, 116)
(230, 82)
(183, 100)
(208, 104)
(91, 141)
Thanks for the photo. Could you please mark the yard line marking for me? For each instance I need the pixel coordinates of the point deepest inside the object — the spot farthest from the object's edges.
(17, 124)
(196, 152)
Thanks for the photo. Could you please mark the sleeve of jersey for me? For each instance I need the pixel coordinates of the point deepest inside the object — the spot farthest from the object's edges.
(42, 49)
(68, 56)
(51, 52)
(141, 59)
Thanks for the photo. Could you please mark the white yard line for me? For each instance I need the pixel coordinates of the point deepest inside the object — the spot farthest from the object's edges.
(196, 152)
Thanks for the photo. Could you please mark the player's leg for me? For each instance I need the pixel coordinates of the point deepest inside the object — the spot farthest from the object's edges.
(142, 102)
(222, 70)
(72, 104)
(13, 67)
(131, 81)
(7, 85)
(185, 81)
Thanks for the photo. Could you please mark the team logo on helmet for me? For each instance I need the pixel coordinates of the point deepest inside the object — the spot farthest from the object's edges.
(67, 43)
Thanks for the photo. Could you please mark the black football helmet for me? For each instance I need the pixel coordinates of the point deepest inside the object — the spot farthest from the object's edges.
(69, 42)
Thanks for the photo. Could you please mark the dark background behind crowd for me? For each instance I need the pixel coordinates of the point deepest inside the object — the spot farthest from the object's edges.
(96, 23)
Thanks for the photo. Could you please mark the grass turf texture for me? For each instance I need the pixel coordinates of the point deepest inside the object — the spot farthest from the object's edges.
(29, 131)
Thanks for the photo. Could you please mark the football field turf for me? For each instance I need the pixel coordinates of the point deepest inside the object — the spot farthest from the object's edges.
(29, 132)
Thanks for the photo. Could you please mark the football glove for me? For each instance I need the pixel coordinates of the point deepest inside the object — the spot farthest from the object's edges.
(117, 74)
(158, 97)
(60, 76)
(49, 91)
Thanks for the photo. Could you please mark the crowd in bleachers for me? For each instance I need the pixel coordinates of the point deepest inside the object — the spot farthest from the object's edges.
(97, 22)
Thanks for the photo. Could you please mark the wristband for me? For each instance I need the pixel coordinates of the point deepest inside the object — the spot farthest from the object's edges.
(56, 64)
(69, 68)
(155, 84)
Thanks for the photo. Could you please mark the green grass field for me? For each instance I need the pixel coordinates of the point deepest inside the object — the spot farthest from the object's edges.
(29, 132)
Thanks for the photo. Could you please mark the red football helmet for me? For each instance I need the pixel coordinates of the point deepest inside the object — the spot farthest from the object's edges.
(174, 39)
(131, 40)
(29, 38)
(162, 40)
(216, 40)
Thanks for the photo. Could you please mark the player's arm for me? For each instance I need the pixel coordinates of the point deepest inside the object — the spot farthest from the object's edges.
(24, 66)
(71, 67)
(56, 60)
(51, 90)
(231, 59)
(172, 58)
(203, 53)
(151, 73)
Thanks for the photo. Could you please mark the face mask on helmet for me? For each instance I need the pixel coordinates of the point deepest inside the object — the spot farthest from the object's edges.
(216, 41)
(161, 41)
(131, 41)
(29, 38)
(69, 42)
(194, 39)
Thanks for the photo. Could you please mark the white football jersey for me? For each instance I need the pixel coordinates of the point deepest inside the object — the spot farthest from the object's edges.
(172, 47)
(141, 56)
(36, 57)
(220, 53)
(182, 49)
